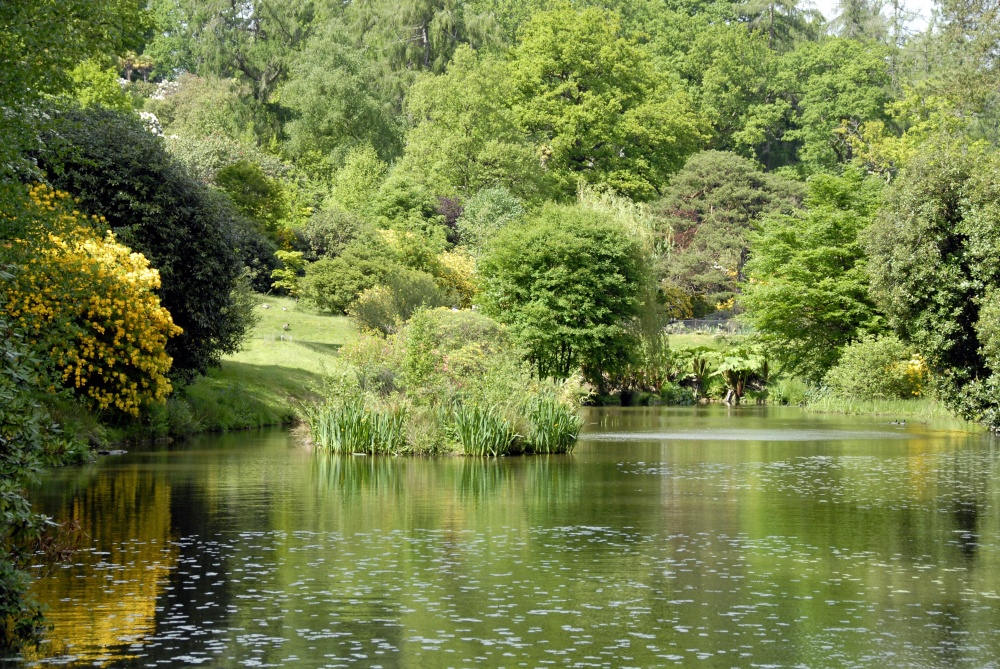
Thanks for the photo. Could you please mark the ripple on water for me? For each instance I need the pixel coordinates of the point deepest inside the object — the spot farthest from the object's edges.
(629, 597)
(837, 559)
(748, 435)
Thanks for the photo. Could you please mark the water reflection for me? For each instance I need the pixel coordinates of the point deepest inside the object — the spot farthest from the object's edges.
(847, 543)
(109, 597)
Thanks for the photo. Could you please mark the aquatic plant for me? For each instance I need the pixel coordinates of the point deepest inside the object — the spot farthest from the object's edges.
(465, 389)
(352, 427)
(553, 427)
(482, 431)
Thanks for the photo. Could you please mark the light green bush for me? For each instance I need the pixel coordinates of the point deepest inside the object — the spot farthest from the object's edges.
(876, 368)
(385, 308)
(332, 284)
(487, 213)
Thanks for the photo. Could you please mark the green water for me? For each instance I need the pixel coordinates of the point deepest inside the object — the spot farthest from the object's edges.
(671, 537)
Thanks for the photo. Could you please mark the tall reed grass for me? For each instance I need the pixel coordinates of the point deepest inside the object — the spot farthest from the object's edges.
(351, 427)
(482, 431)
(553, 427)
(375, 426)
(924, 408)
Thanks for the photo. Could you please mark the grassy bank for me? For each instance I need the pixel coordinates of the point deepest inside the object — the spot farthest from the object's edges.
(914, 409)
(277, 368)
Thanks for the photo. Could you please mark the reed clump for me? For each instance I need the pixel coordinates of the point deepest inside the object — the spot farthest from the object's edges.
(482, 431)
(554, 427)
(351, 427)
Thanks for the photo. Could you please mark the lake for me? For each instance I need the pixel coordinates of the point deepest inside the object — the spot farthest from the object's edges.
(757, 537)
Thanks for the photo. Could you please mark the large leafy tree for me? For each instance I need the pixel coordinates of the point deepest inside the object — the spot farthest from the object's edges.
(40, 45)
(934, 272)
(807, 294)
(339, 100)
(861, 20)
(730, 70)
(710, 208)
(785, 22)
(959, 63)
(416, 35)
(253, 41)
(832, 86)
(466, 137)
(602, 113)
(796, 109)
(569, 283)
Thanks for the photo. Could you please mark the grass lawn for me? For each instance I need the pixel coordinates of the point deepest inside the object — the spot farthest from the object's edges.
(276, 369)
(693, 340)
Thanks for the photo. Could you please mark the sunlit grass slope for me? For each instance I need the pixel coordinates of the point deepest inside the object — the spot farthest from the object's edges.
(277, 368)
(695, 340)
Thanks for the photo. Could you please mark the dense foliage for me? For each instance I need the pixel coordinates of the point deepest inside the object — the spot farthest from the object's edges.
(583, 174)
(808, 288)
(114, 167)
(934, 272)
(89, 306)
(449, 381)
(709, 209)
(876, 368)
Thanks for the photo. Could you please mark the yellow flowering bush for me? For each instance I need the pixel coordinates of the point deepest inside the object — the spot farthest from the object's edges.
(87, 302)
(917, 374)
(456, 274)
(875, 368)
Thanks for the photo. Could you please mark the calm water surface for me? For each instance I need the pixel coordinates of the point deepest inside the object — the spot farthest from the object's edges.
(692, 537)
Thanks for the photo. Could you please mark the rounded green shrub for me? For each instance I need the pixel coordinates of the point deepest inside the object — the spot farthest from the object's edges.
(332, 284)
(876, 368)
(385, 308)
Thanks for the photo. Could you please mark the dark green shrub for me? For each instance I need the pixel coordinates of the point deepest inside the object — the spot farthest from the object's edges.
(257, 253)
(675, 394)
(27, 436)
(117, 169)
(329, 232)
(933, 252)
